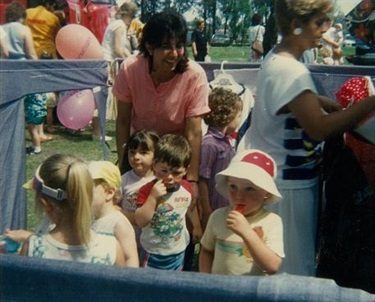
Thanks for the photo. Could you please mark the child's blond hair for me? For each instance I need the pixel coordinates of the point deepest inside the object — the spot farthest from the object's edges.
(326, 51)
(71, 174)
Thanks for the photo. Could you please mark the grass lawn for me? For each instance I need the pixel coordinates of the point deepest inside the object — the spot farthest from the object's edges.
(80, 144)
(83, 146)
(230, 53)
(241, 53)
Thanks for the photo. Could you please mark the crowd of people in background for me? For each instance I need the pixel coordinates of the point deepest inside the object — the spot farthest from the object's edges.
(252, 211)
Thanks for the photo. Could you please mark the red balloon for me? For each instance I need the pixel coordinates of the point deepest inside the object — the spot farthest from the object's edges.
(76, 109)
(75, 41)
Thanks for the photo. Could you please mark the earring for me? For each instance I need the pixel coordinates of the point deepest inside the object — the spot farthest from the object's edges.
(297, 31)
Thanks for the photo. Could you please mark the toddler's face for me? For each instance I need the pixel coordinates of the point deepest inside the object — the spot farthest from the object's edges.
(233, 125)
(140, 160)
(169, 175)
(244, 192)
(99, 199)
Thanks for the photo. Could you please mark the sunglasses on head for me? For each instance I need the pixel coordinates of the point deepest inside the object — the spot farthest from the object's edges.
(39, 187)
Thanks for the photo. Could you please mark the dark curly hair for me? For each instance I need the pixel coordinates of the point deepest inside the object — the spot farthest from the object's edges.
(14, 12)
(163, 27)
(224, 105)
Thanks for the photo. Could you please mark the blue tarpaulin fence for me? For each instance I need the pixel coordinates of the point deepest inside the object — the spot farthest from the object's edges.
(29, 279)
(19, 78)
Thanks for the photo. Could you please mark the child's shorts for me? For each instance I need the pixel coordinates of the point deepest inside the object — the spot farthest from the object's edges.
(171, 262)
(35, 108)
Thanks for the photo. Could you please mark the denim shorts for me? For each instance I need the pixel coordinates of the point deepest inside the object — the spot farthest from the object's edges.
(170, 262)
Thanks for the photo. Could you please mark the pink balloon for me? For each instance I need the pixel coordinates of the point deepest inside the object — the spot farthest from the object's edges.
(75, 41)
(76, 109)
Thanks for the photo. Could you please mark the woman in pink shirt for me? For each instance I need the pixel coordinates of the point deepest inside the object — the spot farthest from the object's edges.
(160, 89)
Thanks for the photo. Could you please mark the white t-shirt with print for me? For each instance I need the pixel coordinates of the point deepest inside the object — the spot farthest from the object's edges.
(231, 256)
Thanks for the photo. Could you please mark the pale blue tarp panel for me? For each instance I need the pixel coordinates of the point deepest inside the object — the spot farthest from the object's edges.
(328, 79)
(51, 280)
(12, 165)
(47, 280)
(17, 79)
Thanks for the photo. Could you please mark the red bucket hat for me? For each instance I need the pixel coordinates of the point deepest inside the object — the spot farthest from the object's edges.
(255, 166)
(354, 91)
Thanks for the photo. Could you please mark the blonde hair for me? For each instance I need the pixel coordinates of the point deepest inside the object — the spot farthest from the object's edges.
(128, 9)
(301, 10)
(224, 105)
(326, 52)
(71, 174)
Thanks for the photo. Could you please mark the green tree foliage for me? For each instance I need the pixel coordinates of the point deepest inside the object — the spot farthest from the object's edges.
(150, 7)
(236, 16)
(231, 17)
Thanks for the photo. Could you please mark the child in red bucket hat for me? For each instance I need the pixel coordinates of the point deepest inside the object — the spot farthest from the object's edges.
(244, 238)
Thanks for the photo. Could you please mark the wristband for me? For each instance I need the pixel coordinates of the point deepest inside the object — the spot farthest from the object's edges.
(192, 180)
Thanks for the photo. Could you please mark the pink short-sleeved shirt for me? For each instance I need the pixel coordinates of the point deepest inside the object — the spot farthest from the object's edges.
(162, 109)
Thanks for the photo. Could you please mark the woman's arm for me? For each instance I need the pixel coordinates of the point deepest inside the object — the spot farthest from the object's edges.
(29, 45)
(328, 105)
(193, 134)
(194, 48)
(123, 118)
(308, 111)
(193, 216)
(206, 259)
(330, 41)
(204, 201)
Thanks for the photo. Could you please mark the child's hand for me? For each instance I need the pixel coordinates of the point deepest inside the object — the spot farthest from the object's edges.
(237, 223)
(19, 236)
(159, 189)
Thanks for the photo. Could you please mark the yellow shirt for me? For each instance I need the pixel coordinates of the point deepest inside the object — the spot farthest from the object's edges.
(136, 27)
(44, 26)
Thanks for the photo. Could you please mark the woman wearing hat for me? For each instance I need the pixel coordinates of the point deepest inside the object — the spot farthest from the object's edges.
(244, 238)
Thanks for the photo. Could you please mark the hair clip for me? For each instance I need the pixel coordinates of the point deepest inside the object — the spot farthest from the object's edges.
(39, 187)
